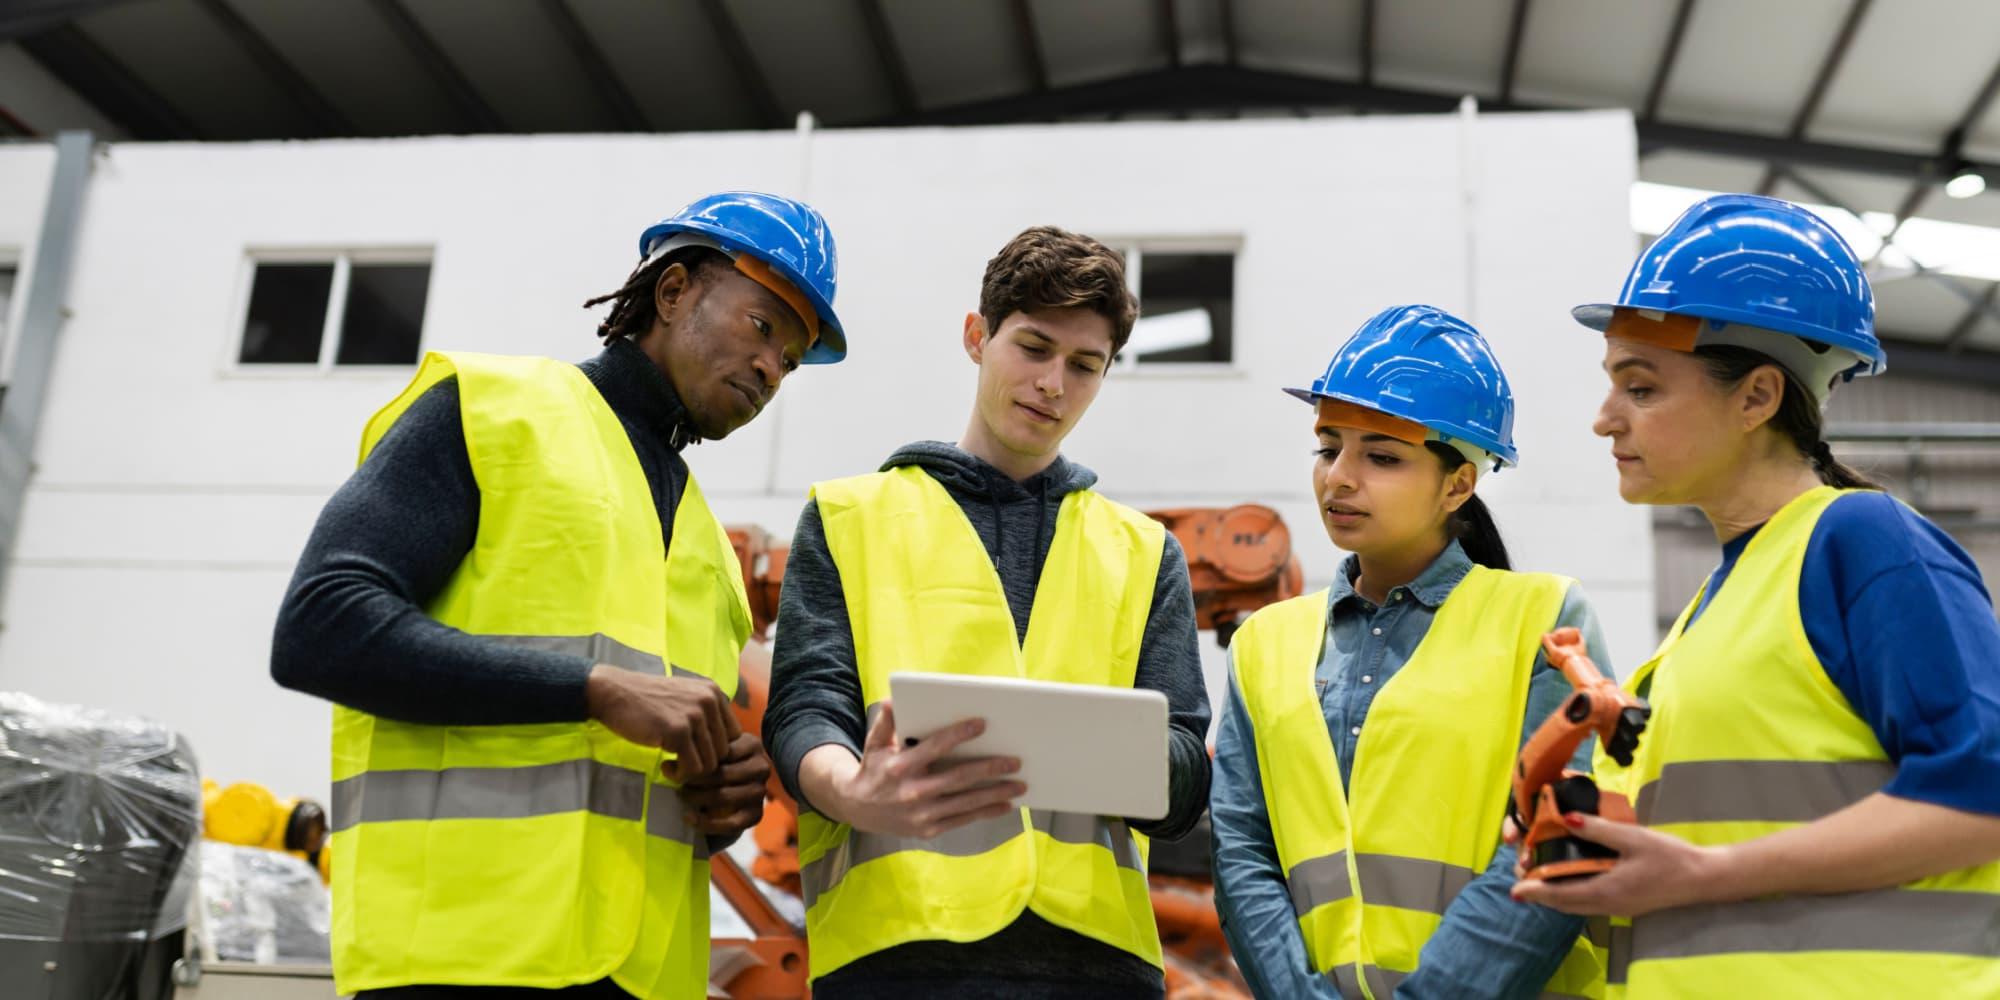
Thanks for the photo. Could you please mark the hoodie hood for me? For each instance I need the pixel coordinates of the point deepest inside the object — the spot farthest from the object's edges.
(1011, 517)
(967, 475)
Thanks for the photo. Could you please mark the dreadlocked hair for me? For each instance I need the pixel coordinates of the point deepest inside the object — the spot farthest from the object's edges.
(632, 310)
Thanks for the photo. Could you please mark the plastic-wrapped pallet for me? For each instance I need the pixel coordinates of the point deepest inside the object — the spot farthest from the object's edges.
(97, 815)
(264, 906)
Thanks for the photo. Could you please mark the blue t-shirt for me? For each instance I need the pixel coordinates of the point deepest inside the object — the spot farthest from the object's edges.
(1899, 618)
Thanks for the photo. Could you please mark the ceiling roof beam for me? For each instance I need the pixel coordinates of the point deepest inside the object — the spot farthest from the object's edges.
(1954, 341)
(1368, 43)
(1951, 156)
(737, 51)
(327, 119)
(1029, 43)
(1213, 88)
(99, 78)
(596, 68)
(1669, 55)
(894, 69)
(1517, 29)
(1829, 65)
(1225, 18)
(22, 18)
(473, 111)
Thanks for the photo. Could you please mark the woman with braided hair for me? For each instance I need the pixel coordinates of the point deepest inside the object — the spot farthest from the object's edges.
(1816, 791)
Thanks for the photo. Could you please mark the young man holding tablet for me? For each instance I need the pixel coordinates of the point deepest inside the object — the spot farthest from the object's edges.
(989, 557)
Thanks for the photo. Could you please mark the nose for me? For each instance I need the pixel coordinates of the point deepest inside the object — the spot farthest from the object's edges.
(1337, 477)
(1607, 421)
(769, 364)
(1049, 380)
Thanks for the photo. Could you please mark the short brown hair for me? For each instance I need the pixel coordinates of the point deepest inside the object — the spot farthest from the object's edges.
(1050, 268)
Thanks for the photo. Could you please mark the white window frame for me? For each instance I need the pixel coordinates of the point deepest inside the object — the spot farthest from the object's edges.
(1135, 249)
(343, 260)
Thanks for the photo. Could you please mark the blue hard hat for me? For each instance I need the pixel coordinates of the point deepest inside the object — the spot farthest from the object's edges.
(1424, 365)
(1760, 262)
(788, 235)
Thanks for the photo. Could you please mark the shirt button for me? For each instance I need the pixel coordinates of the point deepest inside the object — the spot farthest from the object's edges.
(1397, 596)
(1367, 678)
(1378, 631)
(1356, 731)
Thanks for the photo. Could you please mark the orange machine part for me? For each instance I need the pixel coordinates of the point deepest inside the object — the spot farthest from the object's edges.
(1596, 707)
(1239, 559)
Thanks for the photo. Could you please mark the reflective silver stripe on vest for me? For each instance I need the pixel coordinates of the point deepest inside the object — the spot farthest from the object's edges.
(665, 819)
(488, 793)
(1409, 883)
(1597, 930)
(1621, 954)
(1777, 791)
(511, 793)
(1316, 882)
(1894, 920)
(1080, 828)
(819, 876)
(598, 648)
(1384, 982)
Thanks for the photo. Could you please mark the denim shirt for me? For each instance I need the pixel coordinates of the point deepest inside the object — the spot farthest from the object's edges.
(1488, 945)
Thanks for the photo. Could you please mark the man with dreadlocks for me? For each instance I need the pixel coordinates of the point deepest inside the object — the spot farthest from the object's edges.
(528, 622)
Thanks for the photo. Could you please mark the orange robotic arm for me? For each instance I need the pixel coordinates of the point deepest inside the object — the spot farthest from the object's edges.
(1544, 789)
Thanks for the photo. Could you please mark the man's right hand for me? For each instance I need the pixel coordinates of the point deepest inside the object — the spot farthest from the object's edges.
(901, 790)
(687, 716)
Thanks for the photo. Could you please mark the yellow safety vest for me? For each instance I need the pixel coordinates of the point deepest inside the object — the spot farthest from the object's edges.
(1371, 870)
(551, 854)
(922, 594)
(1749, 737)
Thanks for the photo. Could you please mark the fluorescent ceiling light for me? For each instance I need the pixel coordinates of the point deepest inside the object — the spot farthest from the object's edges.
(1966, 185)
(1950, 247)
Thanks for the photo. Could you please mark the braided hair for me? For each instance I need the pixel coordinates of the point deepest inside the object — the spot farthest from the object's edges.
(1798, 417)
(632, 310)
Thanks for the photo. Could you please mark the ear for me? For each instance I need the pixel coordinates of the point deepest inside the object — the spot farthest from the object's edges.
(1458, 485)
(975, 337)
(670, 289)
(1758, 396)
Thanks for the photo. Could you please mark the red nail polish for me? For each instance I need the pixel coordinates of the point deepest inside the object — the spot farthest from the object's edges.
(1574, 821)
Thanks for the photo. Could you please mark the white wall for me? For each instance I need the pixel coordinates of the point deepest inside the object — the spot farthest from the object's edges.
(174, 493)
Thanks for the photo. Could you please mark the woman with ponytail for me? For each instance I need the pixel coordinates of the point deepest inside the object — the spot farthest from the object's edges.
(1819, 787)
(1362, 766)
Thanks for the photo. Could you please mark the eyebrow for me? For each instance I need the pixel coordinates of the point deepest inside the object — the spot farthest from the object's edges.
(1049, 341)
(1333, 431)
(1625, 363)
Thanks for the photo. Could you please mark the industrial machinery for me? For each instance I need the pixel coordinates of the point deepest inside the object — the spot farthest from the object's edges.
(1239, 559)
(247, 814)
(99, 814)
(1544, 789)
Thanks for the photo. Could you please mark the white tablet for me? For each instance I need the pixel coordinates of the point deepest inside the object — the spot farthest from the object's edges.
(1083, 748)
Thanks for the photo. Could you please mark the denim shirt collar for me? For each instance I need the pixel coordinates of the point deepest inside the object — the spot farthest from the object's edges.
(1430, 588)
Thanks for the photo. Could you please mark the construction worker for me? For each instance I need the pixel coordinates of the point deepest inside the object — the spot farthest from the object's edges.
(992, 556)
(529, 621)
(1817, 785)
(1363, 762)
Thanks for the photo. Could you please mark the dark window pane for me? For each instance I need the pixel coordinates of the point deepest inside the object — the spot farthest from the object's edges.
(385, 314)
(1180, 282)
(287, 314)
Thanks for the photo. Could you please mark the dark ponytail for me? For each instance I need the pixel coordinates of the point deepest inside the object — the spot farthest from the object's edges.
(1798, 416)
(1471, 524)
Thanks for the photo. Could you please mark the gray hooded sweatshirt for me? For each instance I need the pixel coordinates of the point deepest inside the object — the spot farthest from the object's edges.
(816, 699)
